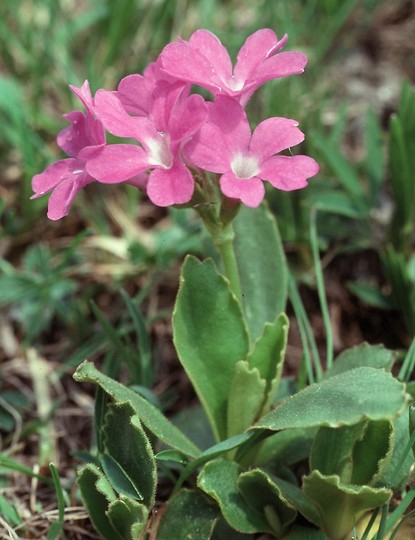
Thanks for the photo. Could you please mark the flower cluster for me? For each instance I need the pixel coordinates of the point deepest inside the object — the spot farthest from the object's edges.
(179, 134)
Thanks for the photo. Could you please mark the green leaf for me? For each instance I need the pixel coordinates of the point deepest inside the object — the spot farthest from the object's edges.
(118, 478)
(268, 356)
(398, 469)
(264, 496)
(256, 381)
(194, 423)
(344, 399)
(246, 397)
(334, 202)
(97, 495)
(262, 267)
(344, 172)
(373, 452)
(340, 506)
(372, 295)
(375, 155)
(128, 517)
(172, 455)
(189, 515)
(218, 449)
(149, 415)
(356, 454)
(305, 533)
(127, 445)
(375, 356)
(289, 447)
(295, 496)
(219, 479)
(210, 337)
(56, 528)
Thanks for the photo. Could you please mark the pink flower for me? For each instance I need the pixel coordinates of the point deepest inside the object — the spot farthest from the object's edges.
(67, 177)
(173, 118)
(203, 60)
(224, 145)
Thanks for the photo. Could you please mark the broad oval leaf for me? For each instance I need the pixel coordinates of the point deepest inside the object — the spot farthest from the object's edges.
(262, 267)
(342, 400)
(210, 336)
(376, 356)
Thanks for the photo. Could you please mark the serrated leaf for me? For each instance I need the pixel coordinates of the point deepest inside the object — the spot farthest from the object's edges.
(262, 267)
(189, 515)
(340, 506)
(127, 446)
(356, 454)
(344, 399)
(97, 494)
(149, 415)
(398, 469)
(219, 479)
(298, 500)
(264, 496)
(246, 397)
(210, 336)
(268, 354)
(128, 517)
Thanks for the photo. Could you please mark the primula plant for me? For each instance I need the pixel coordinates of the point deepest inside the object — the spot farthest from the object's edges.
(262, 454)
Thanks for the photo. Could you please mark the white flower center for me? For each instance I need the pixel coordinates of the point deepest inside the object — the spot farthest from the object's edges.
(159, 152)
(244, 166)
(235, 84)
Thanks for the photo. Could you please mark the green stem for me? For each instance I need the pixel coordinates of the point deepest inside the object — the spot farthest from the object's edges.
(219, 225)
(224, 242)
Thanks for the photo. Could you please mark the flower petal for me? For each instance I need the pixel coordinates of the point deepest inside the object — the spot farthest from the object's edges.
(212, 49)
(250, 191)
(172, 186)
(134, 92)
(258, 46)
(281, 65)
(116, 120)
(83, 93)
(166, 96)
(288, 172)
(115, 163)
(274, 135)
(54, 174)
(186, 63)
(64, 194)
(225, 133)
(187, 117)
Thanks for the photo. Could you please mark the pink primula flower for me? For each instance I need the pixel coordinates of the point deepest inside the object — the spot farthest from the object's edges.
(203, 60)
(225, 145)
(173, 118)
(67, 177)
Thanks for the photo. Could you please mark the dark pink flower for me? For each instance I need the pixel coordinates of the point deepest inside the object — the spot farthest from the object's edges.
(67, 177)
(203, 60)
(173, 117)
(225, 145)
